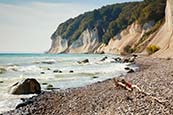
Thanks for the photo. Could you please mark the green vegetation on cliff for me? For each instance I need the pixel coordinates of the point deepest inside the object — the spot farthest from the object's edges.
(111, 19)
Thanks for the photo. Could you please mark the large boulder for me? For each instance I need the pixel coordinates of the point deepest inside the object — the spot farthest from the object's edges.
(27, 86)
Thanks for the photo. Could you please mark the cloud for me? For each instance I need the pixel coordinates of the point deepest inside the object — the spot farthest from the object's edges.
(27, 28)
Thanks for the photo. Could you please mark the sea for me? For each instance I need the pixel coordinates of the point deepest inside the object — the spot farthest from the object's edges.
(43, 67)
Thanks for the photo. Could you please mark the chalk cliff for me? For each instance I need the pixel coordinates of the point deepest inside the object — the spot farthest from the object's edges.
(164, 37)
(59, 45)
(129, 37)
(136, 37)
(87, 42)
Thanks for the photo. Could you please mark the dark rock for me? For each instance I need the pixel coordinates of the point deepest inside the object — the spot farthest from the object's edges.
(135, 55)
(27, 86)
(42, 72)
(57, 71)
(49, 87)
(1, 81)
(125, 60)
(104, 58)
(44, 83)
(20, 105)
(127, 68)
(94, 77)
(131, 71)
(84, 61)
(129, 60)
(118, 59)
(102, 52)
(168, 58)
(71, 71)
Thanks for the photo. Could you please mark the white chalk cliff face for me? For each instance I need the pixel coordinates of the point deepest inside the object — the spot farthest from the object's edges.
(164, 37)
(59, 45)
(88, 42)
(128, 36)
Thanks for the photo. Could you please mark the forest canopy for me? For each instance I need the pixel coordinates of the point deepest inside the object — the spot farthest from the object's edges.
(111, 19)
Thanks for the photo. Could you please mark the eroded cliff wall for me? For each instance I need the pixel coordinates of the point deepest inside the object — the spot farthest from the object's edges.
(164, 37)
(88, 42)
(129, 37)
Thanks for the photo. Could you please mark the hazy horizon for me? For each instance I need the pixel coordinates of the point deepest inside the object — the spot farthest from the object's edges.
(26, 26)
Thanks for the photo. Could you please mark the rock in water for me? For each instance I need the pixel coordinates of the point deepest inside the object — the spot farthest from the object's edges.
(2, 70)
(57, 71)
(27, 86)
(48, 61)
(84, 61)
(118, 59)
(71, 71)
(131, 71)
(104, 58)
(129, 60)
(127, 68)
(42, 72)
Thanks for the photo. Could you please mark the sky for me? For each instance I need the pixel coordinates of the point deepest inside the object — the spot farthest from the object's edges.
(27, 25)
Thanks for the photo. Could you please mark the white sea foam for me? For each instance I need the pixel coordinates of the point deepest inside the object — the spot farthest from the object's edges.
(32, 68)
(11, 101)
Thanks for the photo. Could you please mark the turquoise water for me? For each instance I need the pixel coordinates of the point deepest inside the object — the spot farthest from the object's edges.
(21, 66)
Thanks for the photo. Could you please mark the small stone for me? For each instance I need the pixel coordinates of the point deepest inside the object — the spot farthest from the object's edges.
(94, 77)
(118, 59)
(104, 58)
(127, 68)
(57, 71)
(84, 61)
(131, 71)
(49, 87)
(71, 71)
(42, 72)
(44, 83)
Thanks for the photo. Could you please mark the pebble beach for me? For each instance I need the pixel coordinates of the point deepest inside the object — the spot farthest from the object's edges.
(155, 77)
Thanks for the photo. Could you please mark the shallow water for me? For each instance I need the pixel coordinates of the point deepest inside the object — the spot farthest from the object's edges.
(21, 66)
